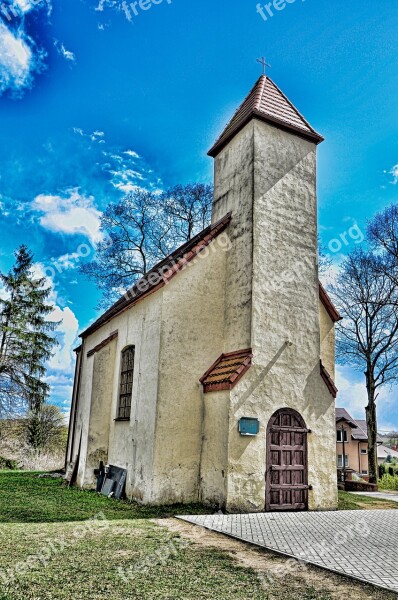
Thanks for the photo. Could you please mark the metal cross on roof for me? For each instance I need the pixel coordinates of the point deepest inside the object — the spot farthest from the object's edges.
(263, 62)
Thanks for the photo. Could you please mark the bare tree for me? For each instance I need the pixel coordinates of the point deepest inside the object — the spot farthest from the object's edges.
(325, 261)
(188, 209)
(129, 247)
(141, 230)
(368, 335)
(383, 235)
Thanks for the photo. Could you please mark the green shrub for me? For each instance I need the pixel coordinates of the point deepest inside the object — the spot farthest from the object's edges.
(382, 470)
(388, 482)
(7, 464)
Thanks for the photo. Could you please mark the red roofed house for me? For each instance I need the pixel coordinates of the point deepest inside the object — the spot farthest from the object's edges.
(213, 378)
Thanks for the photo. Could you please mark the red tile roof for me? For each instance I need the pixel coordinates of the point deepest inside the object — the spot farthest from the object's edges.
(328, 304)
(267, 103)
(162, 273)
(329, 381)
(228, 369)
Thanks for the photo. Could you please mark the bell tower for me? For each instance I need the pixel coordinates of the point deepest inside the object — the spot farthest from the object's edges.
(265, 175)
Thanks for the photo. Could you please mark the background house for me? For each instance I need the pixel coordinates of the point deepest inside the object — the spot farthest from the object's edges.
(383, 452)
(352, 442)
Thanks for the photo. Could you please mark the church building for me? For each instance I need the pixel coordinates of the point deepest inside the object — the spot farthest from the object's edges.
(212, 379)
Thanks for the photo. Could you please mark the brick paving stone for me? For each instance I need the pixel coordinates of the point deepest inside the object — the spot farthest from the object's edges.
(360, 544)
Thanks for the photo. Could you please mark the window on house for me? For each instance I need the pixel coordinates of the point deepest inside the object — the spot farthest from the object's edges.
(364, 472)
(126, 383)
(340, 461)
(340, 435)
(364, 451)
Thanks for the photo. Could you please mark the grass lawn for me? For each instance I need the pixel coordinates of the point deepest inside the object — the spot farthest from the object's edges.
(353, 502)
(24, 498)
(58, 543)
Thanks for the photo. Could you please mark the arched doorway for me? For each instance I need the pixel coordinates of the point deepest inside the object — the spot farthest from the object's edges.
(287, 465)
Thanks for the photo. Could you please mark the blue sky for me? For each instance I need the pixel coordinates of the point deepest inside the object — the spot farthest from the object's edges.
(96, 99)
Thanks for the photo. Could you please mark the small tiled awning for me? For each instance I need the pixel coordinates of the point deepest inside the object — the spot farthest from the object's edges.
(329, 381)
(228, 369)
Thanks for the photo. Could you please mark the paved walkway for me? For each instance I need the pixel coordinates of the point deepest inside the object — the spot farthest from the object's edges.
(392, 496)
(360, 544)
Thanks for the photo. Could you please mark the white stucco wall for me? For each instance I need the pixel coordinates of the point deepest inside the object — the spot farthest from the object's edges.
(233, 192)
(284, 306)
(177, 333)
(100, 408)
(214, 458)
(130, 443)
(192, 336)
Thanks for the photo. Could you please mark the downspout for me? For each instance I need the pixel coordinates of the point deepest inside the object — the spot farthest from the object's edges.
(75, 404)
(344, 465)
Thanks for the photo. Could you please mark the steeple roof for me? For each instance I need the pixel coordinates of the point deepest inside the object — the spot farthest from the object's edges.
(267, 103)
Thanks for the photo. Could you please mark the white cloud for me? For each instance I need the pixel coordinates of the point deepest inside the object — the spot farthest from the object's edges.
(68, 261)
(26, 6)
(23, 5)
(95, 136)
(353, 397)
(132, 154)
(127, 180)
(20, 57)
(41, 271)
(70, 214)
(16, 60)
(62, 51)
(66, 336)
(329, 277)
(394, 173)
(102, 4)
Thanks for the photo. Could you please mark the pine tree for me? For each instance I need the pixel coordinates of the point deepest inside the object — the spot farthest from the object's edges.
(25, 340)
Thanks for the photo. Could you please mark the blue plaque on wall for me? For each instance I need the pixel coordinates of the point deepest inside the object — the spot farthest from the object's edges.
(249, 426)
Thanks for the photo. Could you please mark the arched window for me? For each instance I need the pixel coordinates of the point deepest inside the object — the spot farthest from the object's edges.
(126, 383)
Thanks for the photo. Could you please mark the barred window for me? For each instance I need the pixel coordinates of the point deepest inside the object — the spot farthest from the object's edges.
(126, 383)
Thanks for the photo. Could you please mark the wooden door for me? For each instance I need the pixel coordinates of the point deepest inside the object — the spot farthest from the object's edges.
(287, 467)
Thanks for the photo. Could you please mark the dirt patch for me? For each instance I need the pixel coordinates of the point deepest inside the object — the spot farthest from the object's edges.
(274, 571)
(382, 505)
